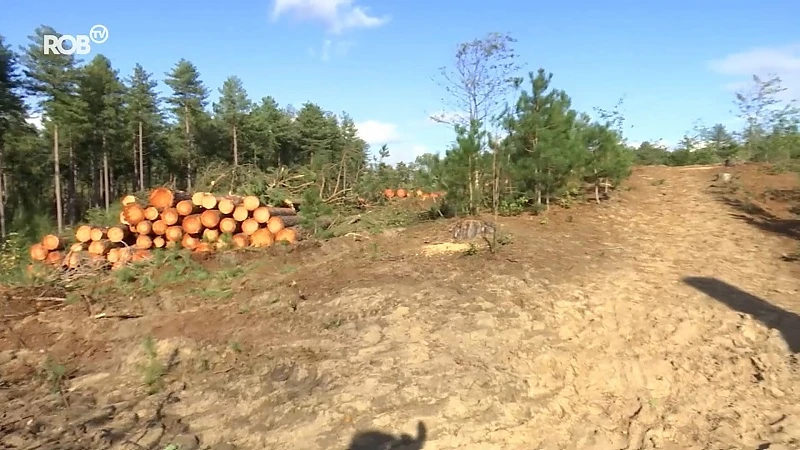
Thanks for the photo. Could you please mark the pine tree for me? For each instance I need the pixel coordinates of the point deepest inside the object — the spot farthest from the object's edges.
(52, 80)
(144, 118)
(231, 109)
(188, 101)
(12, 113)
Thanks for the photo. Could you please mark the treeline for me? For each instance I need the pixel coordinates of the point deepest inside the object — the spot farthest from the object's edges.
(770, 133)
(105, 135)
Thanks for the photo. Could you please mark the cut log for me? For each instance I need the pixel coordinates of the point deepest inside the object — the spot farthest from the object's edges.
(38, 252)
(159, 242)
(192, 224)
(128, 199)
(388, 193)
(122, 218)
(55, 258)
(170, 216)
(402, 193)
(228, 204)
(151, 213)
(133, 213)
(277, 223)
(159, 227)
(251, 202)
(143, 227)
(240, 240)
(144, 242)
(174, 234)
(114, 254)
(186, 207)
(119, 233)
(197, 198)
(210, 235)
(98, 233)
(240, 213)
(140, 255)
(162, 198)
(250, 226)
(210, 218)
(262, 238)
(209, 201)
(99, 248)
(261, 214)
(287, 235)
(468, 229)
(228, 225)
(204, 247)
(78, 247)
(274, 211)
(83, 233)
(52, 242)
(189, 242)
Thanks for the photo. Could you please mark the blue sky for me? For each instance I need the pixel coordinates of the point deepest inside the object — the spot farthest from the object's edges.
(674, 62)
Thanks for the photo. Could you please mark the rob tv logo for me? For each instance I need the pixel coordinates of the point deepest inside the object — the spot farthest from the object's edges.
(80, 44)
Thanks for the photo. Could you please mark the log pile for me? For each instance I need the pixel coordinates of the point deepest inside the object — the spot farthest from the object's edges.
(201, 222)
(389, 194)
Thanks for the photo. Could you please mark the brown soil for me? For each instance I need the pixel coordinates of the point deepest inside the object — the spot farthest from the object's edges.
(664, 318)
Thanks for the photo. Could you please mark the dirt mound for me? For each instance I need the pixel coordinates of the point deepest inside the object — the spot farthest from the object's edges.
(657, 320)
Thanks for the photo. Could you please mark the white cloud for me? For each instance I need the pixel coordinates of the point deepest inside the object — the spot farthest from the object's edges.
(764, 62)
(331, 48)
(337, 15)
(378, 133)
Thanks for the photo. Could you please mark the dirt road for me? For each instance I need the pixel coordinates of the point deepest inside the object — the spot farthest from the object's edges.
(621, 329)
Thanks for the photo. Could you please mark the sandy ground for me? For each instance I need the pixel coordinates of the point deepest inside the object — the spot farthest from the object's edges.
(665, 318)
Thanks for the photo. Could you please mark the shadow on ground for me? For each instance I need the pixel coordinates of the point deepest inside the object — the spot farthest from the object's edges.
(378, 440)
(787, 322)
(763, 219)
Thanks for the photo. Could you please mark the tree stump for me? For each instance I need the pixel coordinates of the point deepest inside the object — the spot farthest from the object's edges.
(469, 229)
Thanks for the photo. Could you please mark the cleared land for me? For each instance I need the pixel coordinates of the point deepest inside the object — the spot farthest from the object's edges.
(664, 318)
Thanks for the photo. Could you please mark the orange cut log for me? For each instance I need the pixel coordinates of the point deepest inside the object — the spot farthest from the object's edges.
(159, 242)
(99, 248)
(98, 233)
(189, 242)
(192, 224)
(287, 235)
(228, 225)
(240, 240)
(151, 213)
(210, 218)
(83, 233)
(228, 204)
(186, 207)
(78, 247)
(38, 252)
(54, 258)
(262, 238)
(251, 202)
(133, 213)
(73, 260)
(204, 247)
(119, 233)
(170, 216)
(144, 242)
(250, 226)
(388, 193)
(161, 198)
(210, 235)
(277, 223)
(140, 255)
(122, 218)
(261, 214)
(197, 198)
(159, 227)
(209, 201)
(402, 193)
(240, 213)
(174, 234)
(128, 199)
(52, 242)
(144, 227)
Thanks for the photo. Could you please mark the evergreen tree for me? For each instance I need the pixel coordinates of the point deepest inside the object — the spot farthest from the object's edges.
(144, 121)
(231, 109)
(188, 102)
(12, 113)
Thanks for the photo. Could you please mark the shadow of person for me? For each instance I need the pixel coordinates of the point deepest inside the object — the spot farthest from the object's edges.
(787, 322)
(378, 440)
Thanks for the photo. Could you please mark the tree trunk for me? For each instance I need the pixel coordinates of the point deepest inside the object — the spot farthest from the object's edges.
(73, 184)
(188, 149)
(57, 180)
(2, 196)
(106, 175)
(135, 164)
(471, 188)
(596, 188)
(141, 159)
(235, 147)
